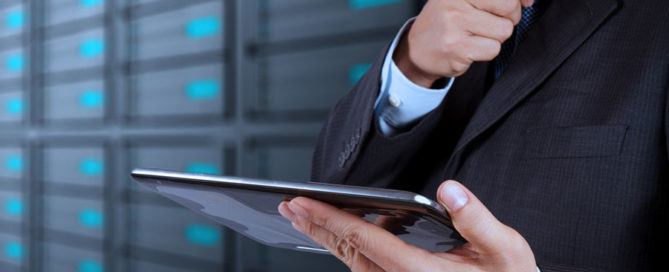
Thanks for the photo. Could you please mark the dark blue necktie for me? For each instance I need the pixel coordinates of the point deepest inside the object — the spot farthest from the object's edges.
(530, 15)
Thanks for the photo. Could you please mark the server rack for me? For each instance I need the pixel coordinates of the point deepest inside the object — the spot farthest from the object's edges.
(90, 89)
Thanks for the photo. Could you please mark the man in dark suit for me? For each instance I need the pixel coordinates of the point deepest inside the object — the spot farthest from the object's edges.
(558, 125)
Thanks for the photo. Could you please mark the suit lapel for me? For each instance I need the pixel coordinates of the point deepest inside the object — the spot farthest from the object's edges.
(564, 26)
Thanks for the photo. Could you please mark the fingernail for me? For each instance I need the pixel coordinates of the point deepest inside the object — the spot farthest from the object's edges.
(453, 196)
(286, 212)
(297, 209)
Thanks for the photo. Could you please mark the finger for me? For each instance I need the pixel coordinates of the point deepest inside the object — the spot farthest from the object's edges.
(527, 3)
(477, 48)
(355, 260)
(510, 9)
(380, 246)
(473, 220)
(489, 25)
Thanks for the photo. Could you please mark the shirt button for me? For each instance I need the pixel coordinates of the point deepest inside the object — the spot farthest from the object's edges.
(395, 101)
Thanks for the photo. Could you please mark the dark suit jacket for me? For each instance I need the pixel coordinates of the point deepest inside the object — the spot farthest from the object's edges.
(569, 146)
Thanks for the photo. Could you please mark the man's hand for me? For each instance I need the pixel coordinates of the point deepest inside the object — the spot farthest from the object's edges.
(362, 246)
(449, 35)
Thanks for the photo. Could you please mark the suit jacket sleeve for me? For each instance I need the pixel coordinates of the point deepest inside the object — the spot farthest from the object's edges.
(352, 150)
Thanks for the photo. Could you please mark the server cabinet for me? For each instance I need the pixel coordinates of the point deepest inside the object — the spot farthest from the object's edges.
(90, 89)
(75, 102)
(183, 92)
(62, 11)
(190, 30)
(282, 21)
(304, 84)
(74, 216)
(13, 252)
(81, 50)
(61, 258)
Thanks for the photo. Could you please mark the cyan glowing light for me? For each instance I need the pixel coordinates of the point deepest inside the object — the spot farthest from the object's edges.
(90, 3)
(205, 89)
(203, 235)
(91, 218)
(13, 250)
(14, 106)
(14, 63)
(14, 19)
(91, 167)
(92, 99)
(92, 48)
(14, 163)
(203, 27)
(90, 266)
(14, 207)
(357, 71)
(203, 168)
(364, 4)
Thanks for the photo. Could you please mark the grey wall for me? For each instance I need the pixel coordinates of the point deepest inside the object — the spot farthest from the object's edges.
(90, 89)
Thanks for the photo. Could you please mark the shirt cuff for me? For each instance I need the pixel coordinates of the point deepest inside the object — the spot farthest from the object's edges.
(402, 102)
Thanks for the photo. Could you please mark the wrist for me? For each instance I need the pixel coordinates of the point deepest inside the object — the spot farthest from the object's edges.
(413, 72)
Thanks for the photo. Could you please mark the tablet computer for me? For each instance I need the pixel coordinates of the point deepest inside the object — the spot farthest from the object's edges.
(249, 207)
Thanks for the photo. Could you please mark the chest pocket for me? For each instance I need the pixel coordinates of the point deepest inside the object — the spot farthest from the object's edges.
(575, 142)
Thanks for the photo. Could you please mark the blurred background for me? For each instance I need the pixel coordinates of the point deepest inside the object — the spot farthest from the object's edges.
(90, 89)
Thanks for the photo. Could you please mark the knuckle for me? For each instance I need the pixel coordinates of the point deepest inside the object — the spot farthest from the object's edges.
(449, 44)
(459, 68)
(515, 17)
(493, 50)
(509, 7)
(319, 220)
(327, 224)
(309, 228)
(355, 236)
(506, 29)
(345, 251)
(446, 49)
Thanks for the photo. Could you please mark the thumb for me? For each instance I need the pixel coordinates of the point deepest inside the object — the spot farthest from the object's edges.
(472, 219)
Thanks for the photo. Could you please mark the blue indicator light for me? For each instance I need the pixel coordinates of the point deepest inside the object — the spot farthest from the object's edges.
(92, 48)
(365, 4)
(90, 266)
(14, 207)
(206, 89)
(14, 163)
(14, 19)
(90, 3)
(203, 235)
(14, 106)
(91, 167)
(13, 250)
(203, 27)
(357, 71)
(14, 63)
(92, 99)
(91, 218)
(203, 168)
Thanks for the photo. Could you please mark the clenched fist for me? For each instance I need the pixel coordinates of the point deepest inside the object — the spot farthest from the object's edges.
(449, 35)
